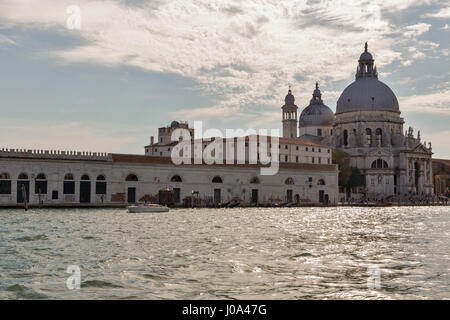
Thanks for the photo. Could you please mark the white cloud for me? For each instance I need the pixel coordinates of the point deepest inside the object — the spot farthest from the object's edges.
(437, 102)
(245, 52)
(442, 13)
(5, 40)
(445, 27)
(416, 29)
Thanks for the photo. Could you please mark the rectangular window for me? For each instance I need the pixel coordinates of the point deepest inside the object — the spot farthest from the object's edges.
(286, 147)
(296, 148)
(40, 187)
(69, 187)
(286, 158)
(296, 159)
(306, 148)
(310, 179)
(328, 160)
(320, 150)
(319, 132)
(5, 187)
(55, 195)
(100, 187)
(312, 149)
(312, 159)
(320, 160)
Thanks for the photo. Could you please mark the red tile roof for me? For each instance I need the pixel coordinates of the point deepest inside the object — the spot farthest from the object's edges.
(131, 158)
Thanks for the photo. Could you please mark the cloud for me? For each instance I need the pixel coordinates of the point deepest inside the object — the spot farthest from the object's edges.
(5, 40)
(416, 29)
(243, 52)
(437, 102)
(445, 27)
(443, 13)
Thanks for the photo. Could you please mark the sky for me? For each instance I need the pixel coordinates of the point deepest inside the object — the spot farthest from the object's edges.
(134, 66)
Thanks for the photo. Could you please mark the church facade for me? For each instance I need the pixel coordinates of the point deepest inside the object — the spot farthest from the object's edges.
(367, 126)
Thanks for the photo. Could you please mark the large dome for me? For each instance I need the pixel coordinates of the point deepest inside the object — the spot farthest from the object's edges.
(367, 92)
(316, 114)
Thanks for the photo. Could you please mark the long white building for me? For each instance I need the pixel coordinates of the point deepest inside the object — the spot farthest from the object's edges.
(305, 176)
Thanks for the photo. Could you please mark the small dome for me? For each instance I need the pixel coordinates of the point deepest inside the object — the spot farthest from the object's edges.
(175, 124)
(316, 114)
(289, 100)
(366, 54)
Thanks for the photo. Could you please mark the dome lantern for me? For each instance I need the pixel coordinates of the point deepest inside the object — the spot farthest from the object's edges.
(366, 65)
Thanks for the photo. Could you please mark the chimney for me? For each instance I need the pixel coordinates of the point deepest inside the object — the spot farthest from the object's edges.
(152, 140)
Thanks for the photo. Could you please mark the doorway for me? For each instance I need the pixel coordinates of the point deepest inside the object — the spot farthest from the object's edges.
(176, 195)
(21, 185)
(289, 196)
(131, 195)
(254, 196)
(321, 196)
(85, 191)
(217, 196)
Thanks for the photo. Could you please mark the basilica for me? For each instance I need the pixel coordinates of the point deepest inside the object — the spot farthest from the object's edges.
(368, 127)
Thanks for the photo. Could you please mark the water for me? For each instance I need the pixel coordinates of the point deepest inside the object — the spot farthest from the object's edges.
(289, 253)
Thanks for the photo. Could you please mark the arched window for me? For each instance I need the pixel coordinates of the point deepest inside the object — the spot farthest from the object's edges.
(5, 176)
(68, 184)
(321, 182)
(345, 138)
(131, 177)
(85, 177)
(254, 180)
(40, 184)
(5, 183)
(379, 136)
(289, 181)
(176, 178)
(100, 185)
(23, 176)
(369, 137)
(41, 176)
(217, 179)
(379, 164)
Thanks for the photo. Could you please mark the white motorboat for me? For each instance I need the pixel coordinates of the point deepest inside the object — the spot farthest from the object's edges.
(147, 208)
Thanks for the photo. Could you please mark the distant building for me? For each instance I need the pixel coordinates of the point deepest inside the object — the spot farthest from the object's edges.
(441, 177)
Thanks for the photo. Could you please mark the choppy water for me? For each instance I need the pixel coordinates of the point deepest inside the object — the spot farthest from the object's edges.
(288, 253)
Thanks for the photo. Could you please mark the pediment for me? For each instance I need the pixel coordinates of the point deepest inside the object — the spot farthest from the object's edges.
(420, 149)
(379, 152)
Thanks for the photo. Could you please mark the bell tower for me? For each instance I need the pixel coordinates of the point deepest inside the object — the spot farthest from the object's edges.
(289, 116)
